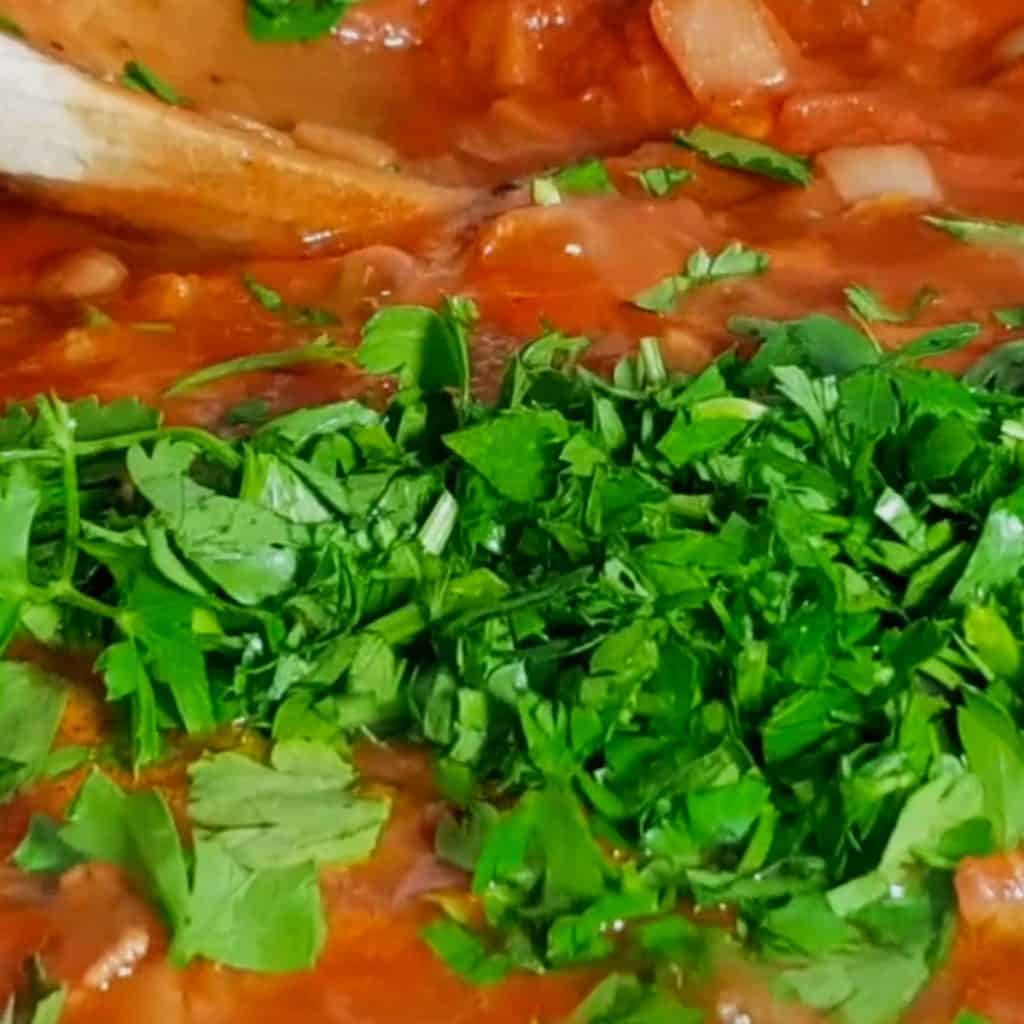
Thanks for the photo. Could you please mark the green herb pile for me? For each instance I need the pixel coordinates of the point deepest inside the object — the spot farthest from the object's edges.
(757, 632)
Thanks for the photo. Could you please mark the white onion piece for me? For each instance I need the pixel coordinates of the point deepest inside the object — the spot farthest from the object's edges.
(724, 48)
(85, 274)
(868, 172)
(1011, 46)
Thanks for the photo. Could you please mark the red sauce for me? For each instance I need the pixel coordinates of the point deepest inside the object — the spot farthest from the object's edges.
(477, 91)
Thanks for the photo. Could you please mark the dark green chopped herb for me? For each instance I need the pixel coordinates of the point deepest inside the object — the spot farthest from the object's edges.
(465, 953)
(701, 269)
(300, 316)
(50, 1008)
(94, 318)
(30, 712)
(1011, 318)
(1002, 369)
(936, 342)
(40, 1001)
(250, 412)
(866, 304)
(745, 154)
(294, 21)
(427, 350)
(143, 79)
(662, 181)
(756, 631)
(980, 230)
(622, 999)
(588, 178)
(10, 27)
(323, 350)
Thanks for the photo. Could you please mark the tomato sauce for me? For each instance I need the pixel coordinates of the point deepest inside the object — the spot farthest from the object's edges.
(485, 92)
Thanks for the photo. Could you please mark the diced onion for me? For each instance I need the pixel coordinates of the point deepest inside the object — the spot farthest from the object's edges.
(867, 172)
(85, 274)
(724, 48)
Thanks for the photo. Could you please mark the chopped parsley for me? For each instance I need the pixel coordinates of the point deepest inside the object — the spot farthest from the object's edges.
(868, 305)
(588, 178)
(40, 1002)
(250, 412)
(743, 154)
(701, 269)
(1002, 369)
(623, 999)
(300, 316)
(750, 637)
(143, 79)
(322, 350)
(662, 181)
(33, 702)
(980, 230)
(1011, 318)
(294, 21)
(9, 27)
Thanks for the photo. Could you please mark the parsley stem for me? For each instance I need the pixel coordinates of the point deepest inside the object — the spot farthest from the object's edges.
(54, 414)
(214, 447)
(28, 455)
(653, 362)
(401, 625)
(64, 591)
(440, 524)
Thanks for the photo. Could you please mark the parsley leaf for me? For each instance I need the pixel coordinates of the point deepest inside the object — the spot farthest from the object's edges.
(745, 154)
(251, 898)
(588, 178)
(661, 181)
(1011, 318)
(10, 27)
(143, 79)
(995, 754)
(294, 21)
(41, 1003)
(272, 301)
(517, 454)
(980, 230)
(1002, 369)
(299, 809)
(271, 920)
(869, 306)
(701, 269)
(465, 953)
(622, 999)
(30, 715)
(427, 350)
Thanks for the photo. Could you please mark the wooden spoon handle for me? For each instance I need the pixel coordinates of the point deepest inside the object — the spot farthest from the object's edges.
(103, 150)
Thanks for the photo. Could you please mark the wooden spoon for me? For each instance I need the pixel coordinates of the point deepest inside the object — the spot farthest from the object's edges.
(106, 151)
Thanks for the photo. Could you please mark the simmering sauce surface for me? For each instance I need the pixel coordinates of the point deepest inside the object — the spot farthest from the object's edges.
(482, 91)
